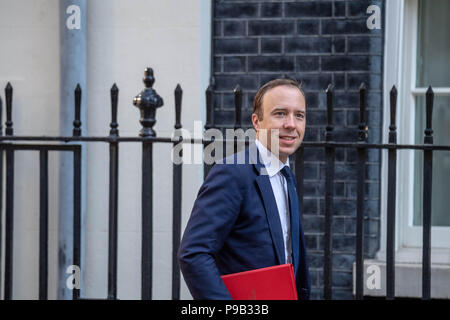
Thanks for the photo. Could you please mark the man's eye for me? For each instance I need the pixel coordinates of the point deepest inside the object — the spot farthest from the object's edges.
(279, 113)
(300, 115)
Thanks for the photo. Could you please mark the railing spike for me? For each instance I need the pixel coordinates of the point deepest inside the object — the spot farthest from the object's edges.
(178, 96)
(8, 97)
(329, 93)
(114, 92)
(209, 107)
(362, 132)
(393, 107)
(329, 128)
(429, 97)
(237, 106)
(77, 122)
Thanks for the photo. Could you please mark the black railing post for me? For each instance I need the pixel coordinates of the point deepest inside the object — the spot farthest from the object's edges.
(43, 225)
(9, 219)
(113, 197)
(361, 171)
(77, 215)
(391, 196)
(176, 203)
(209, 124)
(147, 220)
(77, 190)
(9, 224)
(76, 254)
(427, 199)
(329, 183)
(147, 102)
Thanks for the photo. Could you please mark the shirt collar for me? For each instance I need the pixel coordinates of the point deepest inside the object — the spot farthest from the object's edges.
(271, 162)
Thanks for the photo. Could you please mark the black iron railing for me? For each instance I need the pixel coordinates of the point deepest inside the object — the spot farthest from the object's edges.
(148, 101)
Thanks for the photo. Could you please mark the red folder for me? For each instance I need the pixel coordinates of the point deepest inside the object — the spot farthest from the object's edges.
(271, 283)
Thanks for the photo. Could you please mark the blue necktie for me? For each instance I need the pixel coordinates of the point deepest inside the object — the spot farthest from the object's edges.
(295, 218)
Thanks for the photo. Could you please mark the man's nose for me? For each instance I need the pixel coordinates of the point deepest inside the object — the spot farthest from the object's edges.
(289, 121)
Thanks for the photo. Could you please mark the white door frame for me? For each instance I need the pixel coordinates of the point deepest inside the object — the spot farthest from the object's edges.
(399, 70)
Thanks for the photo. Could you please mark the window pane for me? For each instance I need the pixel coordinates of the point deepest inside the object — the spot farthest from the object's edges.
(433, 44)
(440, 208)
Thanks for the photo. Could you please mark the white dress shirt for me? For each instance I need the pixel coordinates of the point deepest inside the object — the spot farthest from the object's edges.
(279, 187)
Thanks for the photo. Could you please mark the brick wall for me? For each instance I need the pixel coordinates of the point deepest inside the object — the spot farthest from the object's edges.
(316, 42)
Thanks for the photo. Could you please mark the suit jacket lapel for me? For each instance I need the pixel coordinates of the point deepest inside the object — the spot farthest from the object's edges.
(270, 205)
(273, 217)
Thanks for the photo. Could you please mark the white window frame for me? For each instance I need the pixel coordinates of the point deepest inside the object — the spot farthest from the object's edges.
(399, 69)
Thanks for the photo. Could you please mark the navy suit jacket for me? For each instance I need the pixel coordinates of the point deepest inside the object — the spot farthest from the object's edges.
(235, 226)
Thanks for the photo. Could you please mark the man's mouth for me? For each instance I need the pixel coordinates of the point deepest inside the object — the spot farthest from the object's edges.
(288, 139)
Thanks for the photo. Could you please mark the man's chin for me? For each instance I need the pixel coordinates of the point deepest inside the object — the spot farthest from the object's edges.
(287, 151)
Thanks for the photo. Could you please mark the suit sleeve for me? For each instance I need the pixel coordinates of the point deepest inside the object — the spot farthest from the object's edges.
(214, 213)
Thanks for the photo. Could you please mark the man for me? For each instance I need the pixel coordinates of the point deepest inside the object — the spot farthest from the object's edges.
(246, 216)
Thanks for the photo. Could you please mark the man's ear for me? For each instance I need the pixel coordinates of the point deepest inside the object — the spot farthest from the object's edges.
(255, 121)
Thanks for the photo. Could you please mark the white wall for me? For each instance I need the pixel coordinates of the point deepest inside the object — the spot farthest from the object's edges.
(29, 59)
(124, 37)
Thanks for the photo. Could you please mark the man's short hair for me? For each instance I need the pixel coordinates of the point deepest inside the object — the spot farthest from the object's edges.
(257, 102)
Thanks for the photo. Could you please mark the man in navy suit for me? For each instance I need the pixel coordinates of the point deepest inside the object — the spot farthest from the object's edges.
(246, 215)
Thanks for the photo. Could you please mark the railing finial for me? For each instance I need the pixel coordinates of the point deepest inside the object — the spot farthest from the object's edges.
(237, 106)
(8, 96)
(362, 127)
(149, 79)
(77, 122)
(429, 97)
(114, 98)
(178, 95)
(148, 101)
(393, 105)
(209, 107)
(329, 128)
